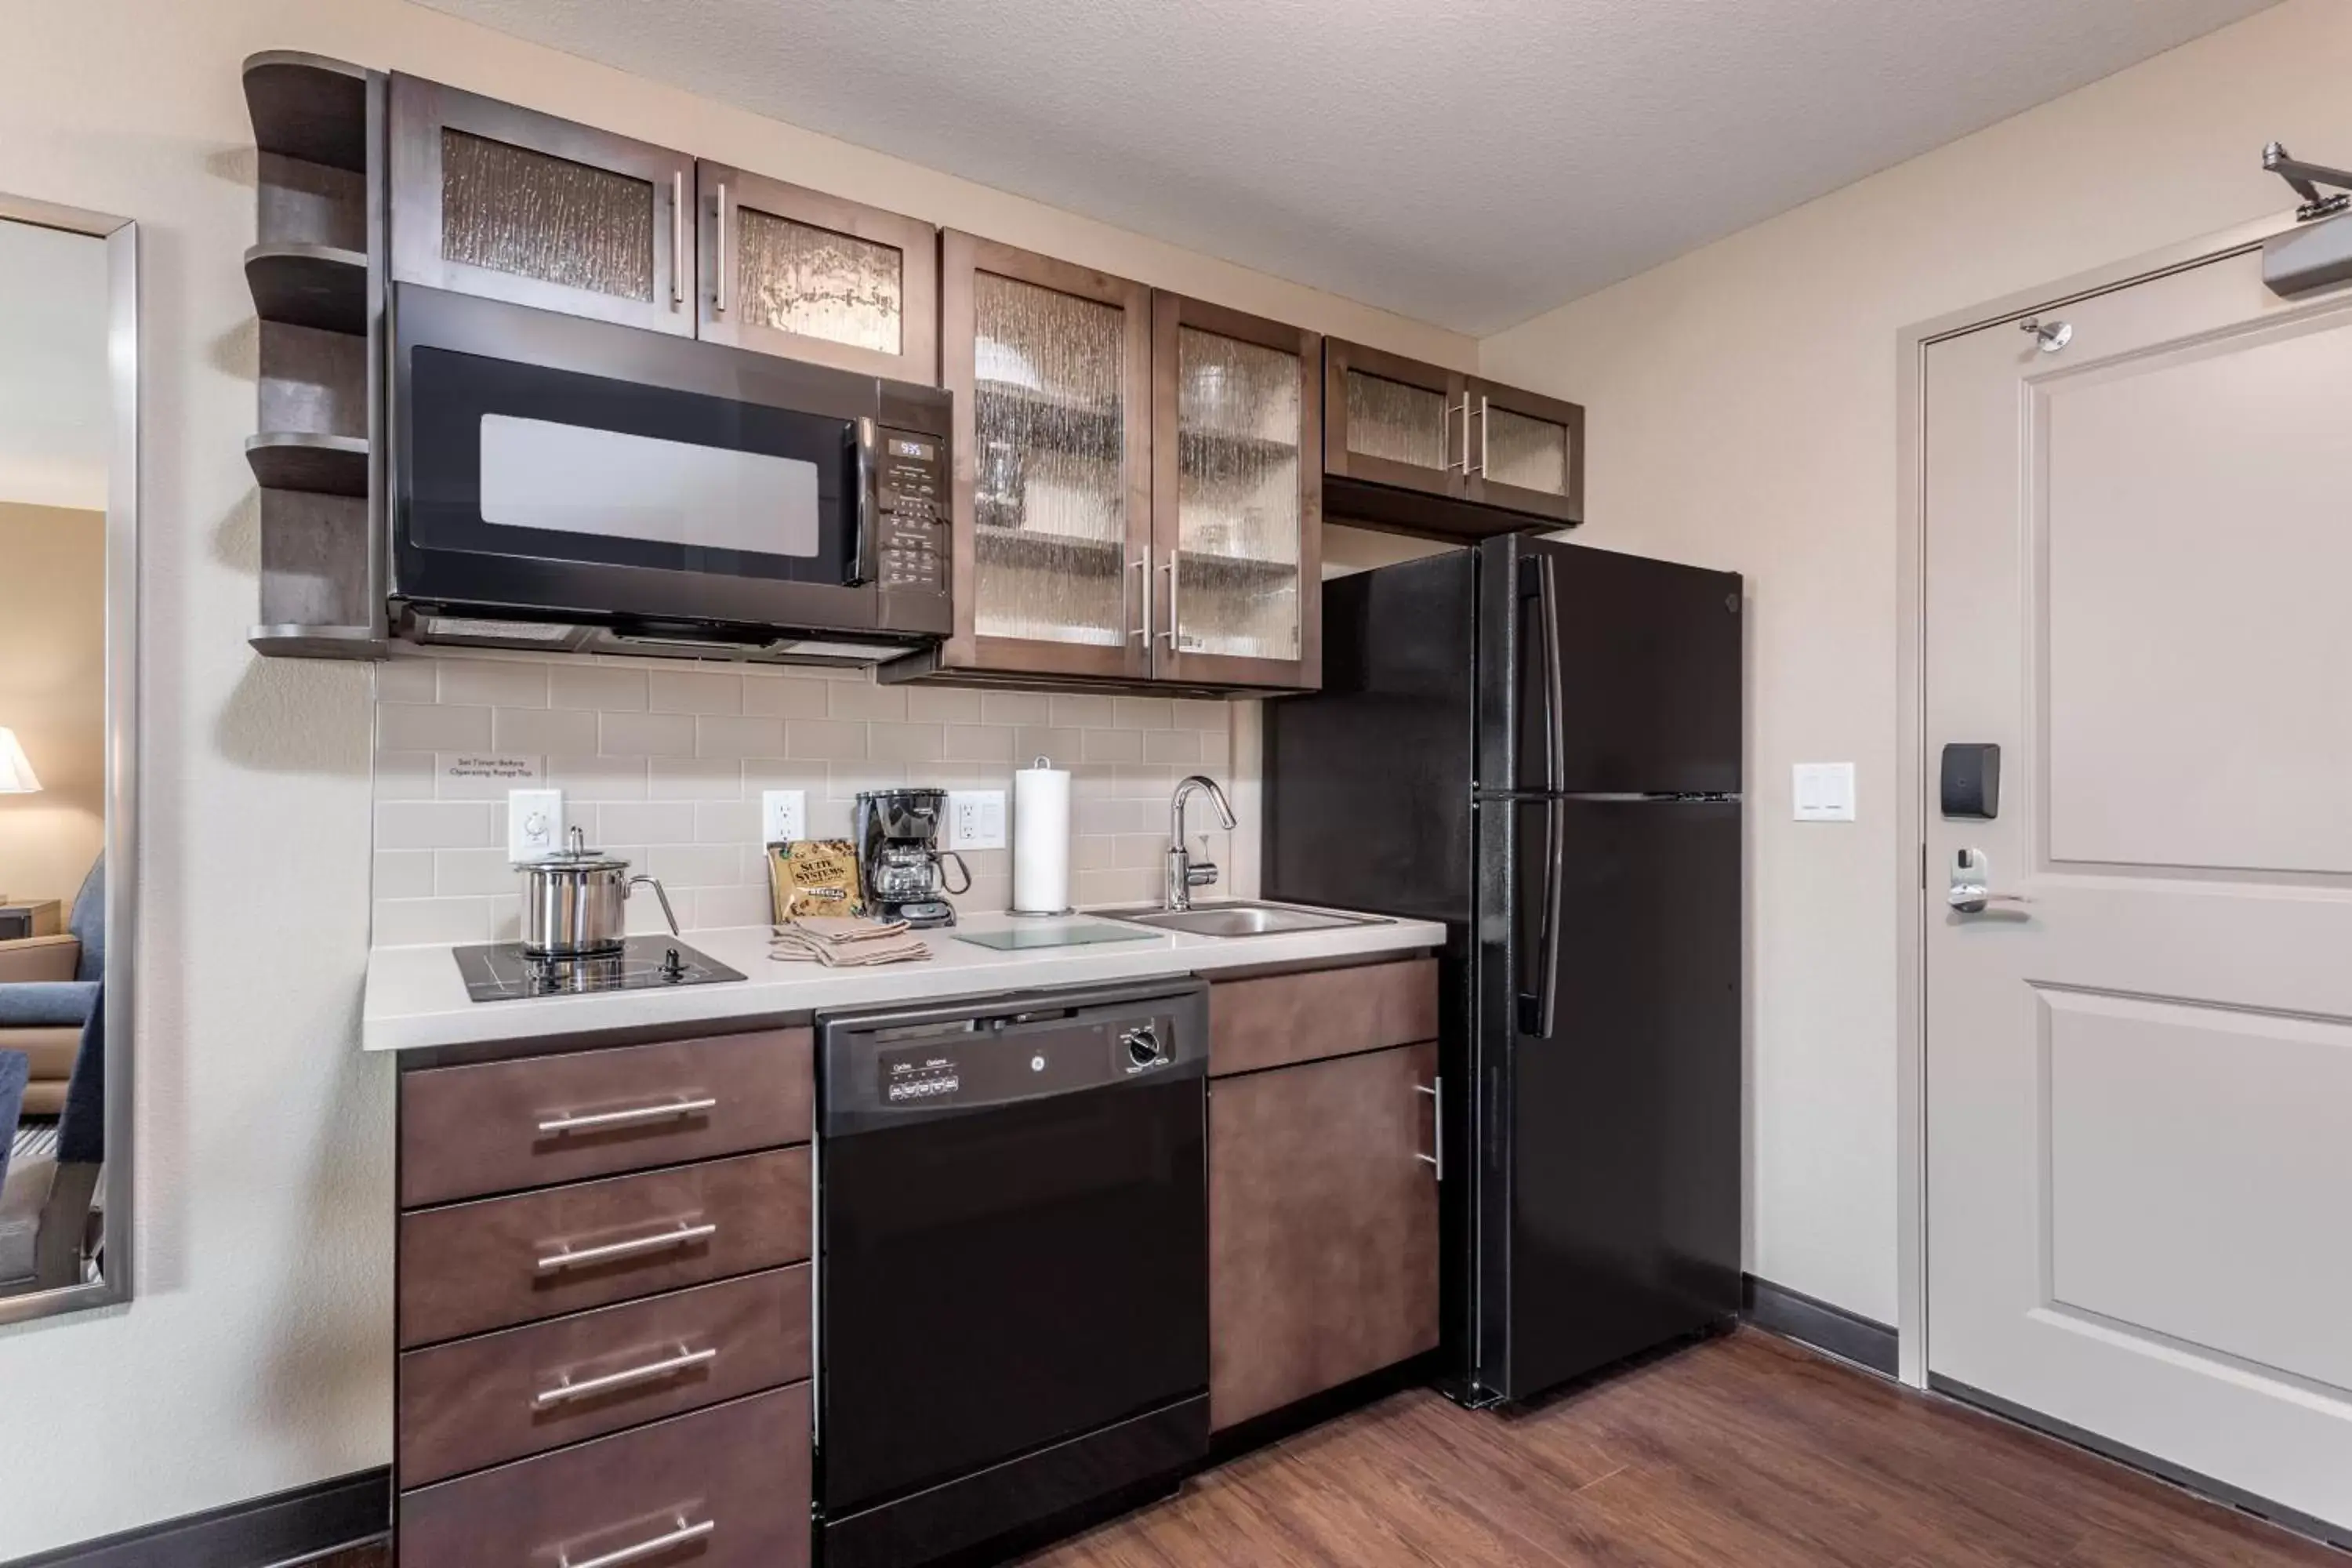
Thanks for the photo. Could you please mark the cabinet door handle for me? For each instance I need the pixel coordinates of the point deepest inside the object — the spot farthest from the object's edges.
(643, 1549)
(719, 306)
(635, 1115)
(1485, 422)
(1141, 565)
(679, 260)
(1435, 1089)
(1169, 567)
(685, 1235)
(1447, 444)
(652, 1372)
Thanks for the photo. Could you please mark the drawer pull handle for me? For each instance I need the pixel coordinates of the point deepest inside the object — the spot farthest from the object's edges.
(652, 1372)
(597, 1122)
(643, 1549)
(685, 1235)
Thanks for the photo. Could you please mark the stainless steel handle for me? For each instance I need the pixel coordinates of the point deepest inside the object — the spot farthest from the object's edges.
(1435, 1089)
(685, 1235)
(643, 1549)
(652, 1372)
(1142, 633)
(719, 305)
(1970, 891)
(1447, 443)
(659, 892)
(1169, 567)
(678, 259)
(598, 1121)
(1466, 469)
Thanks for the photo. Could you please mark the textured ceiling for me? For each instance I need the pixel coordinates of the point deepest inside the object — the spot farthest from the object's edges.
(1471, 162)
(53, 368)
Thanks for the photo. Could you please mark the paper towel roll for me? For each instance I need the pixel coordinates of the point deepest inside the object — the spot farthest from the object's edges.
(1041, 839)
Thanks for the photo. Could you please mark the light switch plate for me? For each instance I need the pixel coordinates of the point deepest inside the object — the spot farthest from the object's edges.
(534, 823)
(1824, 792)
(975, 819)
(783, 816)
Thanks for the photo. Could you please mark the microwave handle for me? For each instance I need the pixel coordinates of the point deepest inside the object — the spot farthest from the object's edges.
(866, 541)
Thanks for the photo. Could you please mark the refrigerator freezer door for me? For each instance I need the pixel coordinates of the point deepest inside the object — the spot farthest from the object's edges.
(1608, 673)
(1609, 1170)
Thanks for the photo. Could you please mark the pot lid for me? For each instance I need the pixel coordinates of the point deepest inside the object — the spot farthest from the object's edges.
(575, 856)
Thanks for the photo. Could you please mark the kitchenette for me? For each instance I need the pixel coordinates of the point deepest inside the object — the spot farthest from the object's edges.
(993, 886)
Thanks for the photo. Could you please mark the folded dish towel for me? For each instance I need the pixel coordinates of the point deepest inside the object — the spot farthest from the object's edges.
(842, 942)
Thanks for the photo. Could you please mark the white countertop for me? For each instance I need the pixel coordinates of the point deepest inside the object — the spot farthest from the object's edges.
(416, 999)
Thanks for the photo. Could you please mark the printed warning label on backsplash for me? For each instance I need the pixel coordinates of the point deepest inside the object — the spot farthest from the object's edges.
(516, 769)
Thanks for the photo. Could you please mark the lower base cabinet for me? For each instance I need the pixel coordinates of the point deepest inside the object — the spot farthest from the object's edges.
(1323, 1250)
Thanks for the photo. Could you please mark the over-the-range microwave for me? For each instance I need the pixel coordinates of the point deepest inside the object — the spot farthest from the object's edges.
(562, 483)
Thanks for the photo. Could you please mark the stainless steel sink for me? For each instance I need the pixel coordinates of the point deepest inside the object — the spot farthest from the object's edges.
(1238, 918)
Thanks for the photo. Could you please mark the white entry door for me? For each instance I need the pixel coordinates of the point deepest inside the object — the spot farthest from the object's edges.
(2139, 1082)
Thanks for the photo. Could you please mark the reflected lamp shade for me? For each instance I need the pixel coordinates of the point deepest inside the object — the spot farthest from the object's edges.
(16, 771)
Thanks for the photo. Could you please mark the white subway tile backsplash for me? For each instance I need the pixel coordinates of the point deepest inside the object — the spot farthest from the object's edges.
(662, 764)
(492, 684)
(411, 727)
(694, 691)
(647, 734)
(539, 731)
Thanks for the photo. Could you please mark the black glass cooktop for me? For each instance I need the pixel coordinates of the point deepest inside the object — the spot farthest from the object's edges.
(503, 971)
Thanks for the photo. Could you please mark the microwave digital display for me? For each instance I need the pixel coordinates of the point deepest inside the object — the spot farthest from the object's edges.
(921, 451)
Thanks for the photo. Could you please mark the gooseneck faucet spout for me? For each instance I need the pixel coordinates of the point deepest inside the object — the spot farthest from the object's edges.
(1182, 872)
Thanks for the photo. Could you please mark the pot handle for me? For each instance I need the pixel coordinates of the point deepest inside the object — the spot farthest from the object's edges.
(659, 892)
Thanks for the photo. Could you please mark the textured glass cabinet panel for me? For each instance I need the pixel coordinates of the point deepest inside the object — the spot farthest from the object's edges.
(1388, 419)
(515, 210)
(1049, 470)
(798, 278)
(1530, 453)
(1238, 429)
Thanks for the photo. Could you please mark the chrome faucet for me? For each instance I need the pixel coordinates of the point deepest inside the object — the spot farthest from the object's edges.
(1183, 872)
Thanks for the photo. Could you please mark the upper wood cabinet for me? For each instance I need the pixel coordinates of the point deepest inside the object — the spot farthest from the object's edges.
(505, 202)
(796, 272)
(1398, 423)
(1236, 498)
(1050, 364)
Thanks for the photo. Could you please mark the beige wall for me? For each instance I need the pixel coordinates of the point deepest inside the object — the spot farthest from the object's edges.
(53, 695)
(258, 1356)
(1742, 414)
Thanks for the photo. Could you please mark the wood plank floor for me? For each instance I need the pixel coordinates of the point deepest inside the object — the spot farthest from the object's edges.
(1742, 1451)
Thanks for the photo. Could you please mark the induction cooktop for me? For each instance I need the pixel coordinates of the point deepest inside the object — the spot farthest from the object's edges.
(503, 971)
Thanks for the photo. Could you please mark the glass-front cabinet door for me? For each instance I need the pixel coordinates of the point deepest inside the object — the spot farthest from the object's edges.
(796, 272)
(1236, 498)
(1050, 365)
(1389, 420)
(488, 199)
(1524, 451)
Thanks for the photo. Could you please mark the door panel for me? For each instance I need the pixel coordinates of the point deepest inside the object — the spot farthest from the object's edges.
(2135, 1078)
(1524, 451)
(1391, 420)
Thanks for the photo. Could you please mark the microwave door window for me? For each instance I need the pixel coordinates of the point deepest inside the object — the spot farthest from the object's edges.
(570, 478)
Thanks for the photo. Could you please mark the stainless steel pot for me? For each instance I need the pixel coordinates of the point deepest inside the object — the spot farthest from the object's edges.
(575, 904)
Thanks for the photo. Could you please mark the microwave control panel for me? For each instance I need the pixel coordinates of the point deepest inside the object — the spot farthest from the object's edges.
(914, 544)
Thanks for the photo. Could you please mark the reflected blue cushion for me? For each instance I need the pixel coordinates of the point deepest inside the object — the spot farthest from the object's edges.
(47, 1004)
(87, 922)
(15, 1071)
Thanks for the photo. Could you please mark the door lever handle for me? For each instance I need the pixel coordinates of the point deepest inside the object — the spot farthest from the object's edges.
(1971, 891)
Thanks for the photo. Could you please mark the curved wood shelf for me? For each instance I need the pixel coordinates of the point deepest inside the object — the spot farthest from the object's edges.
(320, 285)
(309, 107)
(297, 460)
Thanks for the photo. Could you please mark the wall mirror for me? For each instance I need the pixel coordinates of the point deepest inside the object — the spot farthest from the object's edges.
(68, 687)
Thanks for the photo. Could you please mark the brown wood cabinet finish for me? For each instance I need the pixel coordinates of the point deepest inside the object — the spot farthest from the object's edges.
(470, 1132)
(730, 1483)
(1283, 1019)
(486, 1400)
(1323, 1252)
(485, 1265)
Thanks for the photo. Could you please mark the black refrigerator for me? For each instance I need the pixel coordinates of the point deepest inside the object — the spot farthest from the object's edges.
(1538, 744)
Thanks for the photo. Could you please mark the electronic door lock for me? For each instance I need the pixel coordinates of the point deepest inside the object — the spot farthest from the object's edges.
(1971, 892)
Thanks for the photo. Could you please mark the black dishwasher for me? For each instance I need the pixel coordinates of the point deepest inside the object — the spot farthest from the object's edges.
(1011, 1282)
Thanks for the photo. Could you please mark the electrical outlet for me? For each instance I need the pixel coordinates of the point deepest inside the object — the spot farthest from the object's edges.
(783, 815)
(534, 823)
(975, 819)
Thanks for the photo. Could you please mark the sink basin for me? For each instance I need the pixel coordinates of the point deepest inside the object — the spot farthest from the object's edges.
(1238, 918)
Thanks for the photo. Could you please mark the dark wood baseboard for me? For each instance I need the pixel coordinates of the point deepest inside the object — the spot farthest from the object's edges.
(1793, 1315)
(283, 1528)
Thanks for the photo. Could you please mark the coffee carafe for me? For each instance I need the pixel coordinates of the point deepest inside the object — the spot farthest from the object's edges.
(901, 870)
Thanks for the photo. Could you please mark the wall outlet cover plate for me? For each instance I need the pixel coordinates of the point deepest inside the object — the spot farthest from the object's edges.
(1824, 792)
(975, 819)
(783, 816)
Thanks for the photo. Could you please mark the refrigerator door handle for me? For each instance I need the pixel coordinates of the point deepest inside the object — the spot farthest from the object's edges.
(1546, 597)
(1555, 877)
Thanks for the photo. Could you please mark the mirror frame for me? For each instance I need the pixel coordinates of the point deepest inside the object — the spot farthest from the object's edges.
(122, 238)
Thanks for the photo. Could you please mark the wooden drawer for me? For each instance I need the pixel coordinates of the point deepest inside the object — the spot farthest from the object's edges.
(485, 1265)
(503, 1396)
(1286, 1018)
(735, 1476)
(470, 1132)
